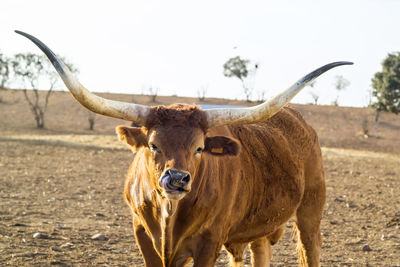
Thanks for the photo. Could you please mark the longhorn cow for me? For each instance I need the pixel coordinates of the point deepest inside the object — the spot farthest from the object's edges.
(204, 179)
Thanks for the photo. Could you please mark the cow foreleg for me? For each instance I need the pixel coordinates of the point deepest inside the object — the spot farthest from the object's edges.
(261, 252)
(236, 252)
(206, 254)
(150, 256)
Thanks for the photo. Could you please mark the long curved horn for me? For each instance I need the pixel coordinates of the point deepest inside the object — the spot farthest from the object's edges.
(111, 108)
(225, 116)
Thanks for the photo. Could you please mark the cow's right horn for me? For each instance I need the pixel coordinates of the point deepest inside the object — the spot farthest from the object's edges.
(261, 112)
(111, 108)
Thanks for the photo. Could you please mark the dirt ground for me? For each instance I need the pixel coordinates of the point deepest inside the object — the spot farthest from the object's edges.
(59, 187)
(70, 193)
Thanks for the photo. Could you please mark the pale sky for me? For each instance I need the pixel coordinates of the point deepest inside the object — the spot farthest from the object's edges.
(181, 46)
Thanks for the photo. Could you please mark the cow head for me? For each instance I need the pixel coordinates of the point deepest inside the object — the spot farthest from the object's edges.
(174, 138)
(174, 141)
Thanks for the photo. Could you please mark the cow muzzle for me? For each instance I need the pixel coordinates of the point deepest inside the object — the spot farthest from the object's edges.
(175, 183)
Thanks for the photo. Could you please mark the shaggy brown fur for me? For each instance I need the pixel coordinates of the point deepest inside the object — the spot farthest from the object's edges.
(180, 114)
(248, 182)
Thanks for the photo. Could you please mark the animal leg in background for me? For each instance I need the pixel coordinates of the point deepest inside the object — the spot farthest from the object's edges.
(236, 253)
(261, 252)
(309, 213)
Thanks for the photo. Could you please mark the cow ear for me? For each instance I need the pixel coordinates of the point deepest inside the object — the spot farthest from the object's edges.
(221, 146)
(133, 136)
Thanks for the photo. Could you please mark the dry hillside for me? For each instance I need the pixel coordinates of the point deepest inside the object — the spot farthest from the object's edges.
(340, 127)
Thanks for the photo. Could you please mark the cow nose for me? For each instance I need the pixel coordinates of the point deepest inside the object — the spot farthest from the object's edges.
(179, 178)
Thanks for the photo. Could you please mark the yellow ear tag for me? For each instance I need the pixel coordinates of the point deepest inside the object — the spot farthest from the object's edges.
(217, 150)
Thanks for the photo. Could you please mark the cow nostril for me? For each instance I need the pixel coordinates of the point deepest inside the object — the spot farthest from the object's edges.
(186, 179)
(178, 178)
(170, 172)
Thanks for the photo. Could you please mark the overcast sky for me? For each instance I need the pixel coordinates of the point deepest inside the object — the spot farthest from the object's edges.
(181, 46)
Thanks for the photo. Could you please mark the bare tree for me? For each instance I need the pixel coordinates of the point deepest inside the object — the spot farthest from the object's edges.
(261, 96)
(32, 70)
(315, 97)
(4, 73)
(201, 93)
(312, 93)
(153, 92)
(340, 84)
(365, 127)
(91, 119)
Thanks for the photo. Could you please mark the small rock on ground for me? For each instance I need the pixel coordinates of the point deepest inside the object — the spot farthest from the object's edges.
(67, 245)
(99, 237)
(57, 249)
(40, 236)
(366, 248)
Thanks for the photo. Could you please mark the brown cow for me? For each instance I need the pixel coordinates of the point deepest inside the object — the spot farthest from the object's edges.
(203, 179)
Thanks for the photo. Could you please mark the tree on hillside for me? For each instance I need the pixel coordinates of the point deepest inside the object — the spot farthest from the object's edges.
(314, 95)
(261, 96)
(91, 119)
(4, 73)
(386, 86)
(240, 68)
(32, 71)
(201, 93)
(341, 84)
(153, 92)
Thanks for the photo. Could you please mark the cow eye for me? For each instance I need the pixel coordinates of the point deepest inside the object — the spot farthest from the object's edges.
(154, 148)
(199, 150)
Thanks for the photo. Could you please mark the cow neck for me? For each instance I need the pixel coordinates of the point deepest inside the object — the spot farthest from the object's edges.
(168, 219)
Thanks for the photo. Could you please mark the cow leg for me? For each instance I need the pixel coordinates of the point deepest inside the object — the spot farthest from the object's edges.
(206, 254)
(308, 242)
(150, 256)
(309, 215)
(261, 252)
(236, 253)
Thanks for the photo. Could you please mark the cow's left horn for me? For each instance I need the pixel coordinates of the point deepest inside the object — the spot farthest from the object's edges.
(225, 116)
(116, 109)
